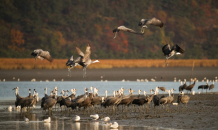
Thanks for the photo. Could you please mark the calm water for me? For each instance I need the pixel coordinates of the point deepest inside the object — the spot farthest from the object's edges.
(63, 124)
(6, 92)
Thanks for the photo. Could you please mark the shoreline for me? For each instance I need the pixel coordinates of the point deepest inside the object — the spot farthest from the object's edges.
(114, 74)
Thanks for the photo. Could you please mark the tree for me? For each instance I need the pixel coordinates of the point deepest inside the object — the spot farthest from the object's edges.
(17, 40)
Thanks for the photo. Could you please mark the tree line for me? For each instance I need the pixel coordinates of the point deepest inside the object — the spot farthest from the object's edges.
(61, 25)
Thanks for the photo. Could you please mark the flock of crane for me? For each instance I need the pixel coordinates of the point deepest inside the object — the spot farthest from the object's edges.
(84, 60)
(90, 99)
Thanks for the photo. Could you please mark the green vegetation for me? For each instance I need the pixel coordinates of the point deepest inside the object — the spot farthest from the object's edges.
(60, 25)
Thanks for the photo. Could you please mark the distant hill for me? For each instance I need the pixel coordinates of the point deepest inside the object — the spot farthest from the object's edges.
(61, 25)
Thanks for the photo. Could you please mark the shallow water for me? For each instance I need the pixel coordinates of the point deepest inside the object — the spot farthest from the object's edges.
(14, 120)
(6, 92)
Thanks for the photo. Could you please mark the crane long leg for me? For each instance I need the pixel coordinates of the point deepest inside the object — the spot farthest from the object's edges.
(142, 30)
(115, 35)
(69, 71)
(84, 72)
(165, 61)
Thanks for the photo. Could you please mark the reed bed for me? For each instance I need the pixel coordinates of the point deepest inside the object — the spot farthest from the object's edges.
(29, 63)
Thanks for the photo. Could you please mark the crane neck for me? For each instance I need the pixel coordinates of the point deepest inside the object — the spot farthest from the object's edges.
(45, 91)
(105, 94)
(144, 93)
(169, 94)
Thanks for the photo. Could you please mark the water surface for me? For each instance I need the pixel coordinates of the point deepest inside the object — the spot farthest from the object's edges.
(6, 92)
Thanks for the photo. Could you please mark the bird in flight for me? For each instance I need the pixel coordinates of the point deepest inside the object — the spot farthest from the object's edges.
(72, 63)
(153, 21)
(84, 60)
(123, 28)
(40, 54)
(169, 52)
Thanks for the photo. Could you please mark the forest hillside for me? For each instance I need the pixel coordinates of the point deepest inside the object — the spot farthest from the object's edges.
(58, 26)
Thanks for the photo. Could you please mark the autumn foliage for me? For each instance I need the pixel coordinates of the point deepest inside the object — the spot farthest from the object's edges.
(16, 40)
(58, 26)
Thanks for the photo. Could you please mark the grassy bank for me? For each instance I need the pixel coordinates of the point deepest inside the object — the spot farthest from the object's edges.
(29, 63)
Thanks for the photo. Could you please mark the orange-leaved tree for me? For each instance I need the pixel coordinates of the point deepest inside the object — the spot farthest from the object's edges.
(16, 38)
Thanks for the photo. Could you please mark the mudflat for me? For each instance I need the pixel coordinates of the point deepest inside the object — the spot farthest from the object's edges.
(201, 113)
(114, 74)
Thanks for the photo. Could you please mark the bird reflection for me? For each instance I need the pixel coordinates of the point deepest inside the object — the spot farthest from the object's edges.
(47, 126)
(96, 125)
(77, 125)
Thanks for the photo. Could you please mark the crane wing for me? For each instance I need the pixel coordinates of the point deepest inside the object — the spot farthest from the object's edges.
(166, 49)
(154, 21)
(79, 52)
(87, 53)
(123, 28)
(178, 49)
(46, 55)
(69, 62)
(78, 59)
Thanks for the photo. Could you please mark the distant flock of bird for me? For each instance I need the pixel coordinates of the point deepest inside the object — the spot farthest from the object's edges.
(84, 60)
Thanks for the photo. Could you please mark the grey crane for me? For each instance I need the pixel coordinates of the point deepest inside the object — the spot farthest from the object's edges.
(72, 63)
(152, 21)
(127, 100)
(123, 28)
(18, 97)
(48, 96)
(183, 98)
(181, 87)
(40, 54)
(211, 86)
(167, 100)
(204, 87)
(50, 102)
(30, 102)
(84, 60)
(191, 86)
(112, 101)
(24, 101)
(169, 52)
(87, 102)
(80, 98)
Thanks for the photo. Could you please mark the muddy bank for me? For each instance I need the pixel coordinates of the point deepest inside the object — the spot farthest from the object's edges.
(201, 113)
(115, 74)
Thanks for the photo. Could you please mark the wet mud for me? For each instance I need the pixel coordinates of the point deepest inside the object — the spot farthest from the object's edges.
(200, 113)
(114, 74)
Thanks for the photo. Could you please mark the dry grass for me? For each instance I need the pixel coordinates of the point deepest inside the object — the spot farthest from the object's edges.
(9, 63)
